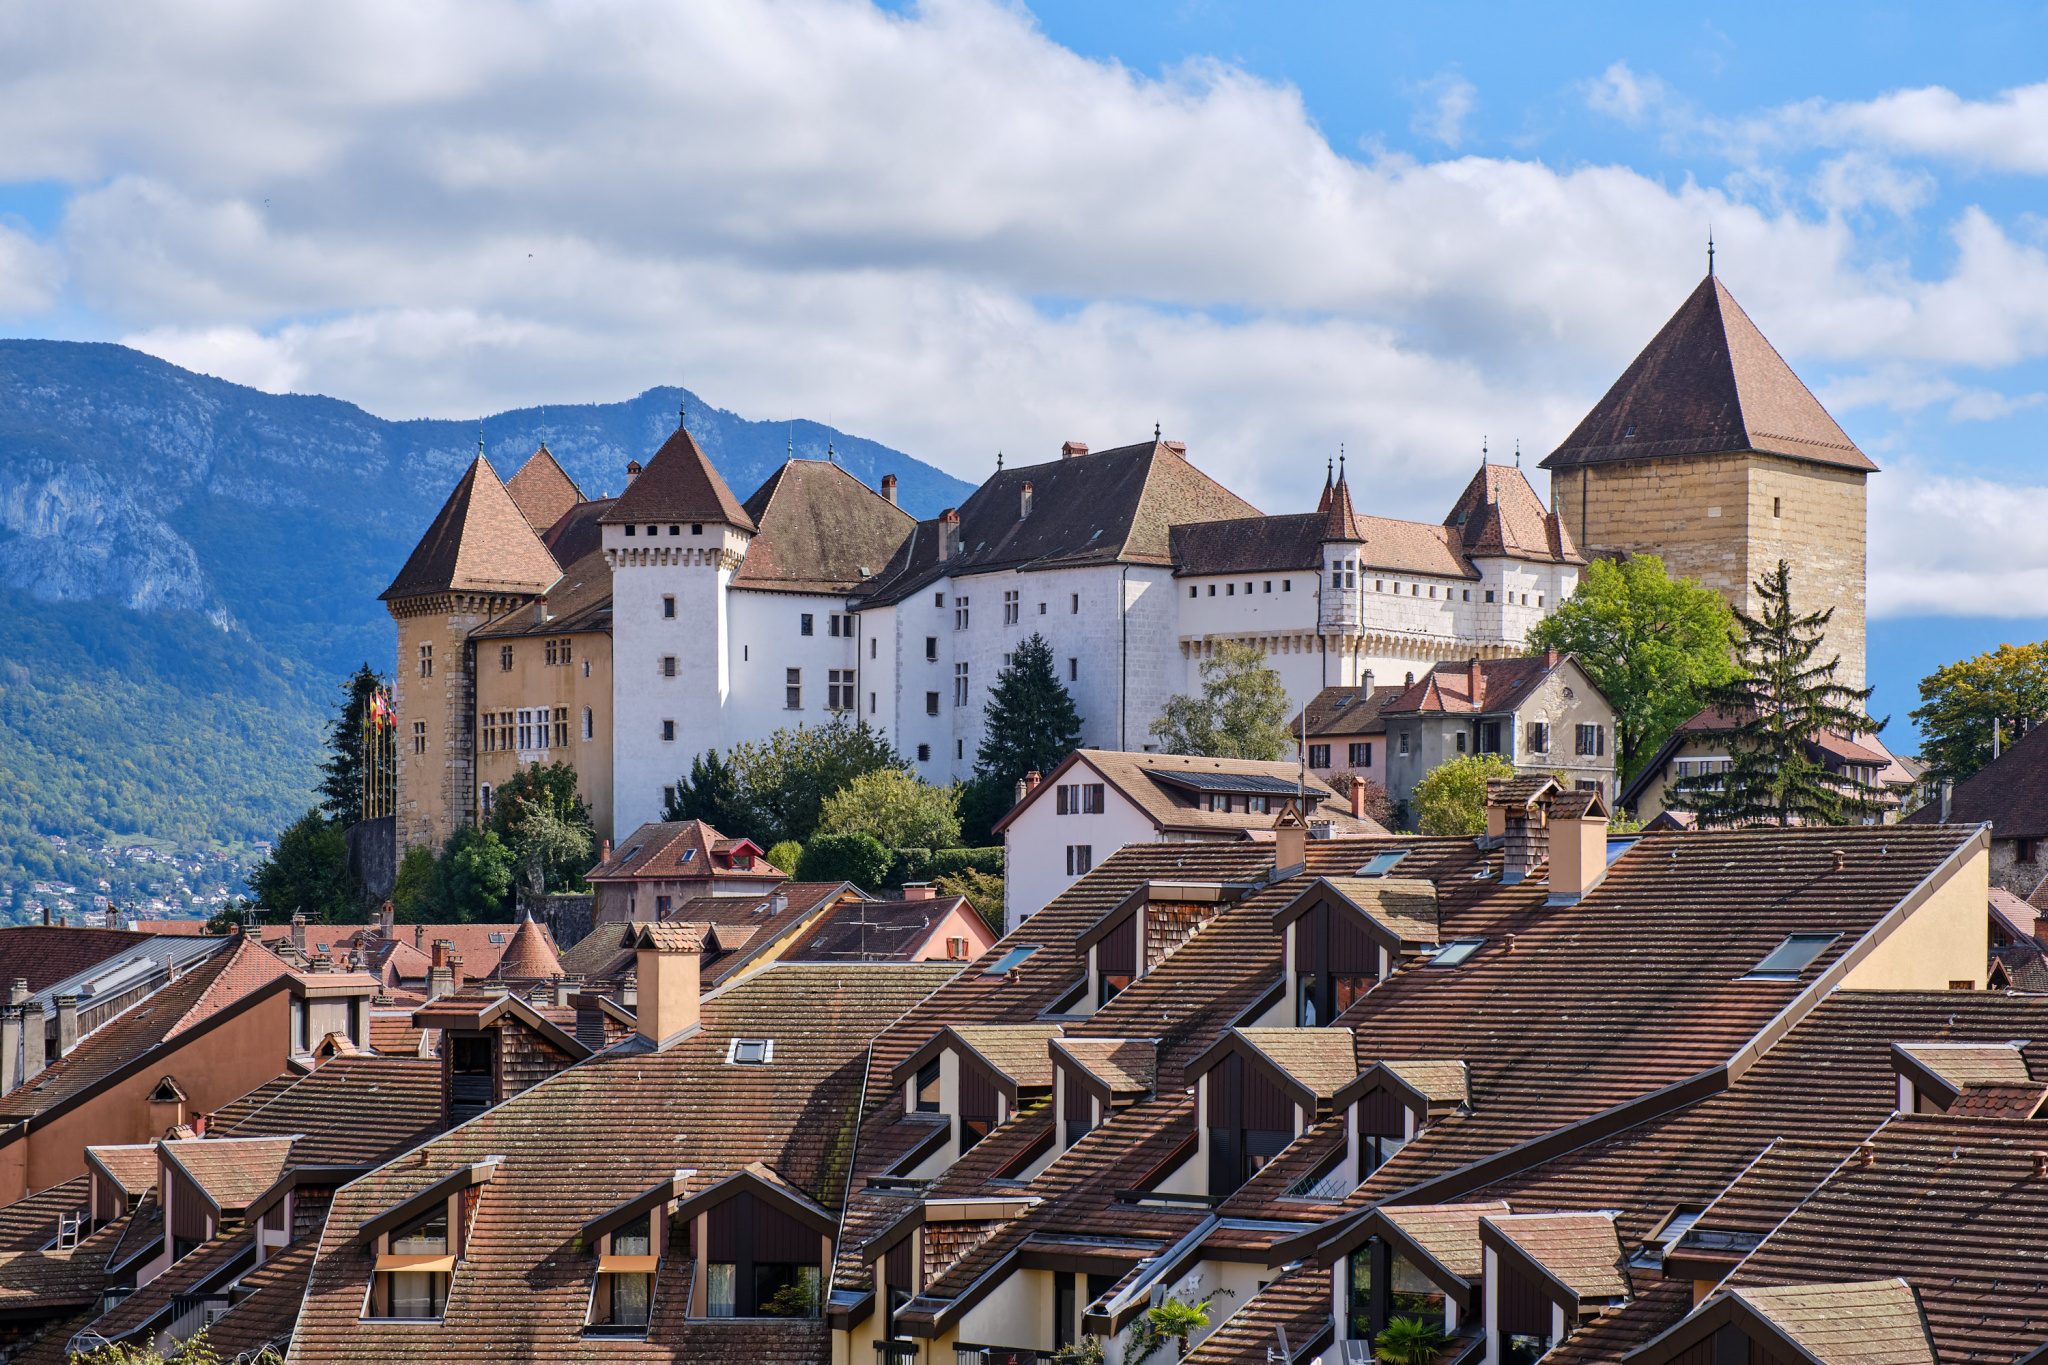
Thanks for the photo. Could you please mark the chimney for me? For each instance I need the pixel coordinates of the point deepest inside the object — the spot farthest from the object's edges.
(299, 930)
(666, 976)
(35, 1042)
(632, 472)
(1024, 501)
(918, 891)
(67, 1024)
(889, 488)
(778, 903)
(1031, 780)
(949, 533)
(566, 989)
(1578, 846)
(419, 935)
(1179, 448)
(1357, 798)
(1073, 448)
(1475, 684)
(1550, 657)
(19, 993)
(1290, 841)
(439, 977)
(1946, 789)
(1365, 683)
(1017, 797)
(10, 1049)
(387, 920)
(629, 994)
(1525, 838)
(454, 973)
(46, 912)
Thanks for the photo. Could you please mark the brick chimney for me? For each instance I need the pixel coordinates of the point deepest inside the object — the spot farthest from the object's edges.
(1357, 798)
(1475, 683)
(949, 533)
(439, 979)
(1179, 448)
(1550, 657)
(455, 973)
(889, 488)
(1031, 780)
(299, 930)
(666, 978)
(387, 920)
(67, 1024)
(1578, 845)
(632, 472)
(1072, 448)
(1024, 501)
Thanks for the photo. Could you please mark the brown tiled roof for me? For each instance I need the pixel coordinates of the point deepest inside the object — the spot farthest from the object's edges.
(2012, 914)
(675, 851)
(1249, 545)
(30, 1222)
(232, 1171)
(1322, 1059)
(267, 1315)
(209, 1262)
(679, 484)
(579, 532)
(2011, 792)
(1126, 1066)
(47, 954)
(348, 1111)
(133, 1165)
(1341, 711)
(579, 602)
(1172, 808)
(1114, 507)
(1412, 547)
(480, 542)
(530, 956)
(1438, 1082)
(1447, 687)
(1998, 1101)
(1962, 1064)
(821, 531)
(1449, 1233)
(1299, 1300)
(1499, 515)
(1872, 1322)
(584, 1140)
(1580, 1250)
(1404, 906)
(177, 1007)
(543, 491)
(670, 936)
(1707, 383)
(863, 930)
(1016, 1050)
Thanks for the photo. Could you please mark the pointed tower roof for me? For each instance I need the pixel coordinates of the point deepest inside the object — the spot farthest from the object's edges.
(1708, 383)
(529, 956)
(1500, 514)
(1329, 474)
(543, 490)
(678, 484)
(1339, 521)
(480, 542)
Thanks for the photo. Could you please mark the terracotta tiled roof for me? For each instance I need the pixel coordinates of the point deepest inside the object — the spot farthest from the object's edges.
(679, 484)
(1114, 507)
(821, 531)
(1322, 1059)
(1439, 1082)
(1998, 1101)
(232, 1171)
(1298, 1300)
(2012, 914)
(212, 1261)
(133, 1165)
(1499, 515)
(543, 491)
(1341, 711)
(2011, 792)
(242, 969)
(1170, 806)
(1707, 383)
(1580, 1250)
(676, 851)
(1125, 1066)
(1016, 1050)
(480, 542)
(863, 930)
(1447, 687)
(29, 1223)
(530, 956)
(578, 602)
(266, 1316)
(1412, 548)
(348, 1111)
(1962, 1064)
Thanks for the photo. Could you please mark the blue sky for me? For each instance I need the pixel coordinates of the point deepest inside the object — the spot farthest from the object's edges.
(962, 227)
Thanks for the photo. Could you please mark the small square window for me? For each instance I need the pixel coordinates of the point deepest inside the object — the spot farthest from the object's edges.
(750, 1051)
(924, 751)
(632, 530)
(696, 528)
(1212, 590)
(804, 624)
(1489, 594)
(938, 599)
(675, 530)
(1287, 585)
(1790, 958)
(1194, 591)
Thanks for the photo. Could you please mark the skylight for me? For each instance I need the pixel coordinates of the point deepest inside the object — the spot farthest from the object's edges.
(750, 1051)
(1454, 954)
(1011, 959)
(1791, 957)
(1382, 864)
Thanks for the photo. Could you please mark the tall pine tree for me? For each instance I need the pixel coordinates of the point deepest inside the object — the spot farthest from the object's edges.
(341, 780)
(1031, 720)
(1782, 701)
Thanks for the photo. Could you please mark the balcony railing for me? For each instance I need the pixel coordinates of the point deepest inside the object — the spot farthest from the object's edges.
(999, 1355)
(888, 1352)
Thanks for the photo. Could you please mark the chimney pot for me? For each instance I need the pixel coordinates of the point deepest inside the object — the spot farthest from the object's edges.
(19, 992)
(1031, 780)
(1509, 946)
(1838, 859)
(2040, 1164)
(1072, 448)
(889, 488)
(387, 919)
(949, 533)
(1866, 1156)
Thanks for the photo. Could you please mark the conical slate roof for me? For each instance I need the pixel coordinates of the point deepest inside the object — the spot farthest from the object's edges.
(480, 542)
(543, 490)
(678, 484)
(1708, 383)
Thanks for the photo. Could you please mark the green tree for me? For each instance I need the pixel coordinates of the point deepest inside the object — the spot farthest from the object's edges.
(1451, 798)
(416, 895)
(341, 774)
(786, 855)
(710, 793)
(307, 872)
(473, 878)
(1242, 712)
(1653, 644)
(982, 800)
(538, 815)
(786, 777)
(984, 891)
(1410, 1341)
(856, 858)
(1030, 724)
(1962, 701)
(1782, 701)
(895, 807)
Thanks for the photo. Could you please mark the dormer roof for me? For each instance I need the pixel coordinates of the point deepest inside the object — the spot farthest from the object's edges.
(1309, 1065)
(1427, 1086)
(679, 484)
(1576, 1255)
(1113, 1070)
(543, 491)
(1944, 1072)
(479, 542)
(1499, 516)
(1398, 913)
(1015, 1056)
(1864, 1322)
(1708, 383)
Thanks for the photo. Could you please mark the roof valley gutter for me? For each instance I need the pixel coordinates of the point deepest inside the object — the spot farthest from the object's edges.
(846, 1192)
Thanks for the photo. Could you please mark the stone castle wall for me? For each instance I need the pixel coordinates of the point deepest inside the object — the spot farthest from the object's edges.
(436, 788)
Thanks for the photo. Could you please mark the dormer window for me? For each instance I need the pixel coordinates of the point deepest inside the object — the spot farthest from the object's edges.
(926, 1096)
(411, 1279)
(622, 1298)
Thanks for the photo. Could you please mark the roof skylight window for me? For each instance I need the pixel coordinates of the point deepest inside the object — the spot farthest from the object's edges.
(1456, 953)
(688, 854)
(1791, 957)
(1382, 864)
(750, 1051)
(1011, 959)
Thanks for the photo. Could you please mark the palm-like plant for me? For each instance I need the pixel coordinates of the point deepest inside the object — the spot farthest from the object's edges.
(1410, 1341)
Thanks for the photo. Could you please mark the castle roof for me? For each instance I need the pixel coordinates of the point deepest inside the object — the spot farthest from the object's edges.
(678, 484)
(821, 530)
(1708, 383)
(578, 532)
(543, 490)
(1499, 514)
(480, 541)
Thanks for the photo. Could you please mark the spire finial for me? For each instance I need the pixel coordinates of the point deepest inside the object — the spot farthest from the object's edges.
(1710, 250)
(543, 426)
(792, 438)
(682, 412)
(1518, 452)
(1155, 431)
(1340, 462)
(999, 462)
(830, 456)
(1482, 452)
(479, 438)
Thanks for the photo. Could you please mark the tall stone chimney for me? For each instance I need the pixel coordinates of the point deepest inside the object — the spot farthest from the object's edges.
(299, 930)
(10, 1048)
(438, 975)
(949, 533)
(666, 977)
(1024, 501)
(67, 1024)
(35, 1041)
(889, 488)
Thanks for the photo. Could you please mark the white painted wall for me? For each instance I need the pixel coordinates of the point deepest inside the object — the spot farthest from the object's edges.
(1018, 1313)
(1035, 844)
(766, 641)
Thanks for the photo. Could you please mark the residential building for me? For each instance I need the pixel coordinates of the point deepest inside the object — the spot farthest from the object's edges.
(1711, 454)
(1342, 732)
(1699, 749)
(1098, 801)
(921, 927)
(1544, 714)
(2010, 794)
(660, 866)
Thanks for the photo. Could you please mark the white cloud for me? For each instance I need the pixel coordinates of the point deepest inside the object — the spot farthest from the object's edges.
(1443, 103)
(2008, 133)
(1620, 93)
(1856, 179)
(1957, 546)
(30, 274)
(1983, 405)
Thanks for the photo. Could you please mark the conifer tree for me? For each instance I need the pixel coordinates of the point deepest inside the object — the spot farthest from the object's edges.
(1781, 702)
(1031, 721)
(341, 780)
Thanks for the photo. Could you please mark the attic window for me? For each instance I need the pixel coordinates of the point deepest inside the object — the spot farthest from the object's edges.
(1791, 957)
(750, 1051)
(687, 854)
(1382, 863)
(1011, 959)
(1456, 953)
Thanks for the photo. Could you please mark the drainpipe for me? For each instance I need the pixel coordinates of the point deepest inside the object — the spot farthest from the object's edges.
(1123, 682)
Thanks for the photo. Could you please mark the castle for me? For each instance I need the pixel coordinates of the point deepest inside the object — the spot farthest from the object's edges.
(628, 636)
